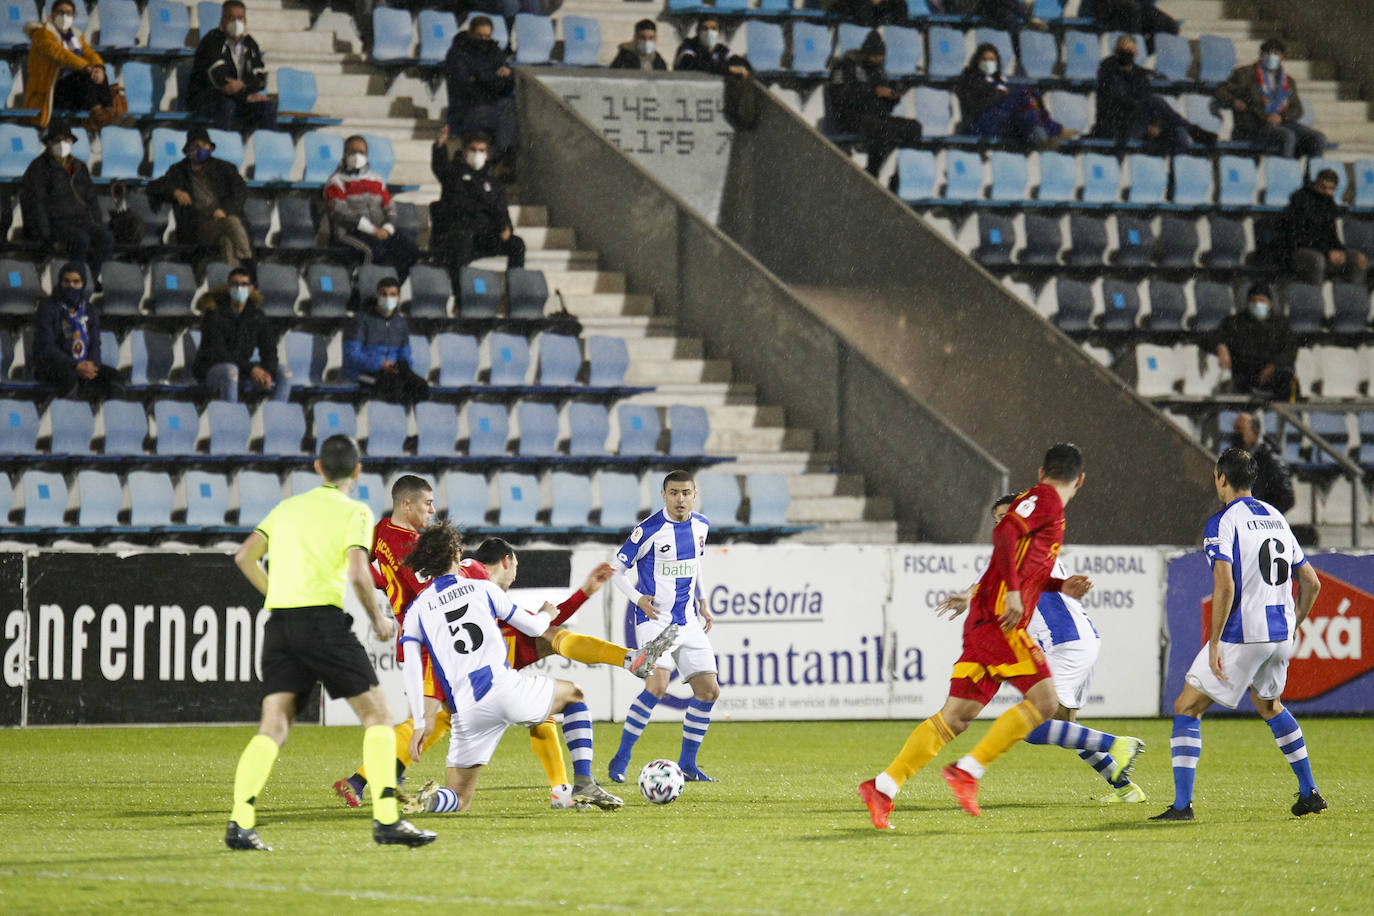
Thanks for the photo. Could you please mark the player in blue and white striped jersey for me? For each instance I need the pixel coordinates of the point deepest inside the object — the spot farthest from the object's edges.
(659, 570)
(1254, 558)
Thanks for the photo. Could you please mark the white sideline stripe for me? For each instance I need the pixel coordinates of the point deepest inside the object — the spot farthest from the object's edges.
(508, 902)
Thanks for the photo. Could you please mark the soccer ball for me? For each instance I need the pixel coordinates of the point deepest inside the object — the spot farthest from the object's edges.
(661, 781)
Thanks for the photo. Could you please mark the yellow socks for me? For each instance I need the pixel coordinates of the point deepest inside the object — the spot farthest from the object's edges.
(403, 733)
(1007, 729)
(588, 649)
(379, 750)
(255, 765)
(920, 748)
(441, 726)
(544, 741)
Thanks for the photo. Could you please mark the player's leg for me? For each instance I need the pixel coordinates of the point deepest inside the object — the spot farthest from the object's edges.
(379, 749)
(546, 746)
(965, 701)
(460, 784)
(705, 691)
(1110, 755)
(255, 765)
(1265, 690)
(592, 651)
(577, 734)
(1006, 730)
(642, 707)
(1185, 748)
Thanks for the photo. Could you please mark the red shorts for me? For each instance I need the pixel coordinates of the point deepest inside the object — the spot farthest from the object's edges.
(521, 650)
(991, 657)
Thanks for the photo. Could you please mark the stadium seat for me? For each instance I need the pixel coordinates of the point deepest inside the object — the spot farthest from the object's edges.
(369, 275)
(932, 109)
(528, 292)
(228, 146)
(1359, 235)
(296, 225)
(509, 357)
(1121, 305)
(144, 85)
(572, 499)
(258, 493)
(119, 24)
(480, 293)
(1149, 180)
(1058, 178)
(560, 359)
(207, 498)
(1203, 111)
(1039, 54)
(19, 429)
(769, 498)
(1350, 308)
(589, 426)
(1281, 178)
(1168, 305)
(279, 285)
(13, 16)
(533, 39)
(99, 497)
(177, 427)
(297, 93)
(298, 482)
(1228, 243)
(850, 36)
(538, 433)
(45, 499)
(323, 153)
(916, 175)
(963, 175)
(437, 29)
(421, 357)
(1343, 372)
(125, 424)
(1216, 58)
(169, 22)
(519, 494)
(307, 356)
(466, 498)
(1087, 240)
(719, 498)
(1044, 240)
(73, 426)
(1178, 242)
(437, 428)
(283, 428)
(905, 51)
(1075, 305)
(330, 418)
(393, 33)
(329, 289)
(1156, 370)
(1101, 178)
(996, 238)
(639, 429)
(20, 289)
(1364, 184)
(381, 155)
(1135, 242)
(430, 292)
(1008, 176)
(1192, 182)
(488, 429)
(608, 359)
(948, 53)
(151, 497)
(20, 146)
(1239, 179)
(1173, 57)
(274, 156)
(1306, 307)
(172, 289)
(230, 428)
(581, 41)
(458, 359)
(1072, 111)
(688, 430)
(371, 489)
(1082, 55)
(165, 149)
(386, 429)
(1212, 302)
(810, 49)
(619, 499)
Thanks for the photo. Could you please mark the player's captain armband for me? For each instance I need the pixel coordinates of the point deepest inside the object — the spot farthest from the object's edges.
(1027, 506)
(637, 535)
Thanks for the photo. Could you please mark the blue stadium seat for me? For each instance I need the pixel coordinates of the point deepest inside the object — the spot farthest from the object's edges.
(688, 430)
(144, 85)
(510, 358)
(228, 146)
(1009, 176)
(126, 426)
(18, 428)
(996, 239)
(572, 499)
(381, 156)
(1228, 244)
(466, 498)
(1044, 240)
(1239, 178)
(1121, 305)
(298, 482)
(769, 497)
(1212, 302)
(1178, 242)
(119, 24)
(177, 426)
(849, 37)
(330, 418)
(323, 152)
(329, 289)
(230, 428)
(1135, 241)
(393, 33)
(1075, 301)
(151, 357)
(437, 29)
(947, 53)
(810, 49)
(165, 148)
(528, 292)
(430, 291)
(1002, 42)
(905, 51)
(283, 428)
(480, 292)
(1058, 178)
(151, 496)
(172, 289)
(1216, 58)
(371, 489)
(963, 175)
(581, 41)
(1306, 307)
(169, 22)
(619, 499)
(100, 496)
(73, 426)
(1101, 178)
(45, 499)
(207, 498)
(20, 146)
(608, 359)
(258, 493)
(280, 287)
(121, 152)
(296, 228)
(1192, 182)
(1149, 180)
(538, 429)
(1039, 54)
(932, 109)
(1082, 55)
(1087, 240)
(560, 359)
(1281, 178)
(6, 500)
(719, 498)
(1173, 57)
(1168, 305)
(458, 359)
(589, 426)
(1350, 308)
(519, 495)
(207, 16)
(916, 175)
(488, 429)
(386, 430)
(306, 357)
(533, 39)
(639, 429)
(19, 287)
(14, 14)
(1364, 184)
(1203, 111)
(437, 428)
(421, 357)
(274, 156)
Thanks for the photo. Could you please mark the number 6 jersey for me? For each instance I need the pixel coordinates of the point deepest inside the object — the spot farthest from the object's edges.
(1255, 539)
(455, 619)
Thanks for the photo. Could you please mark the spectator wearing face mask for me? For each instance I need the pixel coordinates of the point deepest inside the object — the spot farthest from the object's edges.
(995, 109)
(862, 99)
(66, 340)
(703, 52)
(207, 195)
(59, 205)
(1128, 109)
(481, 87)
(1314, 244)
(232, 328)
(1257, 346)
(471, 218)
(1267, 107)
(642, 53)
(64, 73)
(377, 349)
(363, 215)
(228, 77)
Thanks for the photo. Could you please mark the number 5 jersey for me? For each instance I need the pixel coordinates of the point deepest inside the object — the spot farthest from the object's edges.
(1255, 539)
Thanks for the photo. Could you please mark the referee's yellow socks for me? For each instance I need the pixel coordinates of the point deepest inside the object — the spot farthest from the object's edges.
(544, 741)
(379, 754)
(1007, 729)
(588, 649)
(920, 748)
(255, 765)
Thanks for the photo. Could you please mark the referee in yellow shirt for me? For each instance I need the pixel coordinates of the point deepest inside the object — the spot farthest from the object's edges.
(319, 543)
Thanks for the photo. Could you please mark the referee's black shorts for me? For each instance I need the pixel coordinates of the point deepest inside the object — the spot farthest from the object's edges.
(302, 645)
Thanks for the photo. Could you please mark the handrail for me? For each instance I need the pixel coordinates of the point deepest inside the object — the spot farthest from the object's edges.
(1350, 468)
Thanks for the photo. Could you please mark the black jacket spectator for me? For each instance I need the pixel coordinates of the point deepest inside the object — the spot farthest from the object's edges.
(1008, 15)
(470, 68)
(229, 338)
(691, 55)
(977, 93)
(64, 338)
(1309, 221)
(628, 59)
(1254, 344)
(57, 196)
(1120, 93)
(221, 174)
(213, 66)
(471, 213)
(852, 95)
(1274, 484)
(871, 13)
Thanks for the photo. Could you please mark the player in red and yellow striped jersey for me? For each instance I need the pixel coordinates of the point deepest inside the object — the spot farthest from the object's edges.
(1025, 545)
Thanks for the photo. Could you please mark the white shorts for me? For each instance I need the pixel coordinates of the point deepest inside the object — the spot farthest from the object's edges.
(520, 699)
(691, 651)
(1071, 664)
(1262, 665)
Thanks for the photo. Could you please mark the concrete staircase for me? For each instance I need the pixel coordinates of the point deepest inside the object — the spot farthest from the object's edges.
(409, 114)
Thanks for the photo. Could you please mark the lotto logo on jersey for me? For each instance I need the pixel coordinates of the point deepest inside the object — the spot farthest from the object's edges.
(677, 569)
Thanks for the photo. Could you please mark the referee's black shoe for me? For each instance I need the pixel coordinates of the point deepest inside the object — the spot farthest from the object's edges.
(1309, 804)
(1175, 814)
(237, 837)
(401, 833)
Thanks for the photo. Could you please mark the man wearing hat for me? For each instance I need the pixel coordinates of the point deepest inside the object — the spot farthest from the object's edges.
(861, 99)
(59, 205)
(642, 53)
(66, 340)
(208, 195)
(1256, 345)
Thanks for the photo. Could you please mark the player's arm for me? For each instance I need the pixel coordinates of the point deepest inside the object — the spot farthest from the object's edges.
(955, 603)
(413, 677)
(1074, 586)
(1004, 537)
(360, 577)
(248, 558)
(597, 578)
(1308, 587)
(1223, 593)
(626, 585)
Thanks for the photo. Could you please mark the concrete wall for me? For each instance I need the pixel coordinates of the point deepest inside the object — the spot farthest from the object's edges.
(1340, 31)
(939, 479)
(928, 316)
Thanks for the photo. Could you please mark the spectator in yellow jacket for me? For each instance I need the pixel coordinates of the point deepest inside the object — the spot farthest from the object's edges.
(64, 74)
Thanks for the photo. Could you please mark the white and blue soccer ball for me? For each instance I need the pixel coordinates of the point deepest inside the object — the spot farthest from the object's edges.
(661, 781)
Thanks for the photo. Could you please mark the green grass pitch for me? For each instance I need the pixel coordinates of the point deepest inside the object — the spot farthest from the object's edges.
(132, 821)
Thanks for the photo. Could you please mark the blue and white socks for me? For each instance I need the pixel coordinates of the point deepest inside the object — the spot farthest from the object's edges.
(1288, 736)
(1090, 743)
(635, 721)
(1185, 747)
(445, 801)
(577, 732)
(694, 725)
